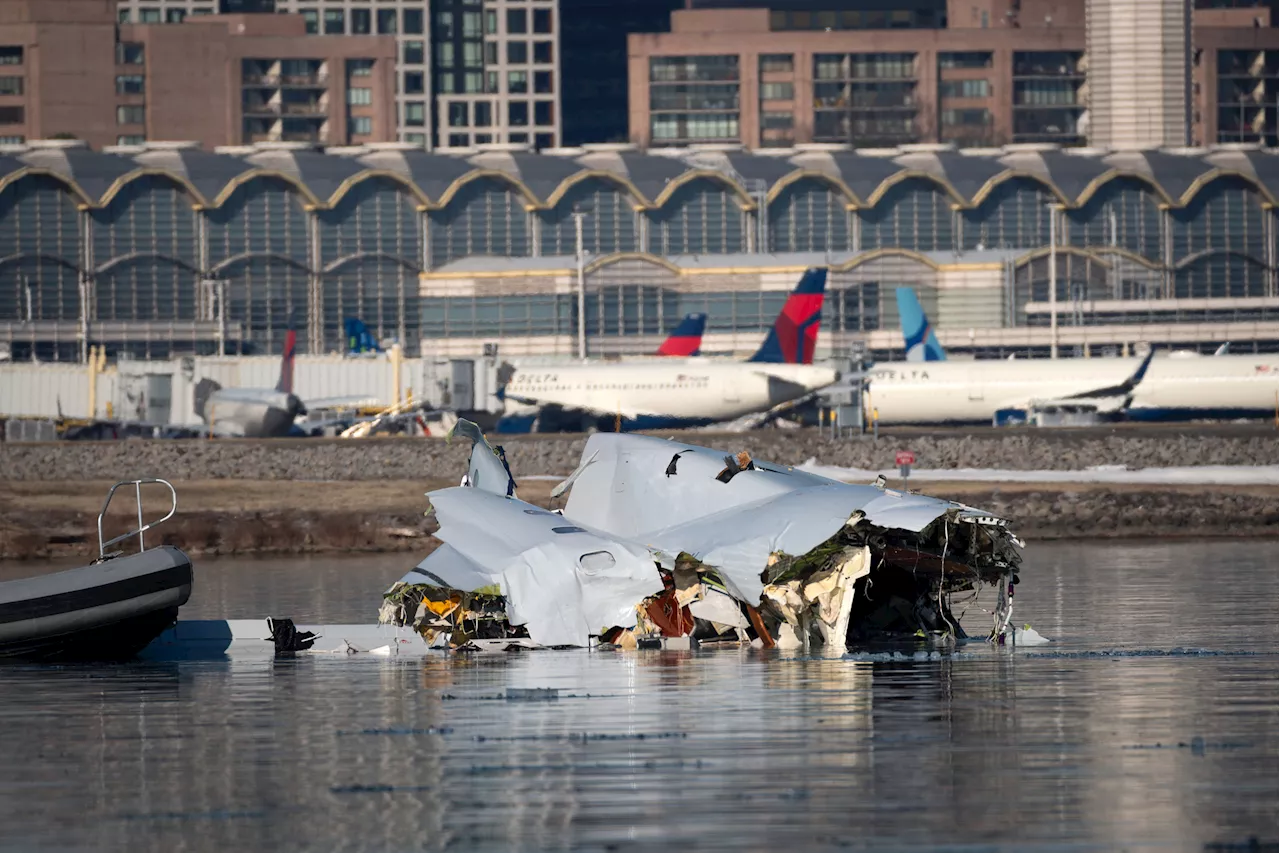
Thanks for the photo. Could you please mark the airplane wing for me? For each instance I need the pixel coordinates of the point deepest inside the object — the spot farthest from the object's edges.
(1107, 399)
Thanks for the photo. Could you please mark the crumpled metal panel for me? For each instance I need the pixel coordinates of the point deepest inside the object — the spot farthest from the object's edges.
(551, 569)
(734, 526)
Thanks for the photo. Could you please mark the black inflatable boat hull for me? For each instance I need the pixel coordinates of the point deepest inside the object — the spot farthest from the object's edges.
(108, 611)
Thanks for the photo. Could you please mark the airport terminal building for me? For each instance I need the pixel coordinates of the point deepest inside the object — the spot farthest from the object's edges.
(165, 249)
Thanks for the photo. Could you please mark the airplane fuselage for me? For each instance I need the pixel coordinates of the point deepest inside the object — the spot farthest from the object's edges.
(251, 412)
(973, 391)
(667, 392)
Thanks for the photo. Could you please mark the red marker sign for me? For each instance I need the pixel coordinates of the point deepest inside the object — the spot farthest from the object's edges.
(904, 457)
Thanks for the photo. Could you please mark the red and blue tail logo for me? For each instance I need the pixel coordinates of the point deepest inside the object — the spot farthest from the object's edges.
(687, 337)
(795, 333)
(286, 363)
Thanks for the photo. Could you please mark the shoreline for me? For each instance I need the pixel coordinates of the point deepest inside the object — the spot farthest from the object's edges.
(58, 519)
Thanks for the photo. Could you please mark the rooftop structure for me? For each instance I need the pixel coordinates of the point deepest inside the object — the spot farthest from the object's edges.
(181, 249)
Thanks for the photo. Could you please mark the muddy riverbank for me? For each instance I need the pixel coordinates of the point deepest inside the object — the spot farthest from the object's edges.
(57, 519)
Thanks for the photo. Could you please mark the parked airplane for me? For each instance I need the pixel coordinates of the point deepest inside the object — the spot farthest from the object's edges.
(922, 343)
(680, 393)
(1166, 388)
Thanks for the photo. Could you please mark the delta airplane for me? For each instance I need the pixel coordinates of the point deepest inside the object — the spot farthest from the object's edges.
(672, 393)
(935, 390)
(270, 412)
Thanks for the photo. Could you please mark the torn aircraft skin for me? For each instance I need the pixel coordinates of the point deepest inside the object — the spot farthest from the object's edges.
(660, 539)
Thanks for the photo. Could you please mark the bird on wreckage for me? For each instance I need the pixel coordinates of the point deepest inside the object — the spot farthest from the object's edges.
(663, 543)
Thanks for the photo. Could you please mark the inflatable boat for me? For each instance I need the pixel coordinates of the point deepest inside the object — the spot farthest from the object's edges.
(107, 610)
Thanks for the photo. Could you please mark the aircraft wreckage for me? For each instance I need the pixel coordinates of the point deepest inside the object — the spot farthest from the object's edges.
(659, 540)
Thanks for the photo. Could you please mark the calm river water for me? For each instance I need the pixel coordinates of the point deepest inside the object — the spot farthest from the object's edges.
(1150, 723)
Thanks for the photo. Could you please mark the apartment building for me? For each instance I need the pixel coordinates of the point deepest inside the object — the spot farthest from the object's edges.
(467, 71)
(995, 72)
(224, 80)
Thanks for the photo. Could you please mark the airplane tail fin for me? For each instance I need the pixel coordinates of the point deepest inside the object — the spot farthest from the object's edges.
(286, 360)
(795, 333)
(687, 337)
(359, 338)
(922, 344)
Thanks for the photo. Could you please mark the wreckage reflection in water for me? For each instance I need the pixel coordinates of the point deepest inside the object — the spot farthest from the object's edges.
(1094, 742)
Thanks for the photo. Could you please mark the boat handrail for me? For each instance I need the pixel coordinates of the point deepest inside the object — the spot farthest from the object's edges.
(142, 528)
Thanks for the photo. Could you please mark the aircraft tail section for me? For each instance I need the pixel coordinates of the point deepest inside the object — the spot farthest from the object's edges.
(359, 338)
(203, 391)
(917, 333)
(286, 361)
(687, 338)
(795, 333)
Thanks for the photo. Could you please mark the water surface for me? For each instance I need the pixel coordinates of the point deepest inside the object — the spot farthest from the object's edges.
(1149, 724)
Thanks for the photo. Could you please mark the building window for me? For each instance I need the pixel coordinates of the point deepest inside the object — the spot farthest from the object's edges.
(202, 10)
(491, 82)
(10, 55)
(968, 59)
(971, 118)
(12, 115)
(416, 138)
(175, 16)
(415, 115)
(517, 21)
(446, 83)
(414, 83)
(778, 62)
(12, 140)
(131, 114)
(123, 16)
(130, 139)
(360, 23)
(413, 22)
(311, 18)
(10, 85)
(484, 114)
(334, 22)
(149, 16)
(517, 137)
(359, 67)
(484, 138)
(444, 54)
(359, 97)
(457, 115)
(777, 91)
(129, 84)
(360, 125)
(777, 121)
(964, 88)
(413, 52)
(517, 52)
(544, 112)
(517, 82)
(473, 82)
(444, 25)
(386, 21)
(695, 126)
(542, 20)
(490, 22)
(986, 19)
(544, 140)
(542, 52)
(685, 96)
(129, 53)
(471, 55)
(458, 140)
(670, 69)
(517, 113)
(543, 83)
(491, 53)
(471, 25)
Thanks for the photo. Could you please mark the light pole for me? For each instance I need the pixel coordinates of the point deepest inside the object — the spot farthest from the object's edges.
(1053, 279)
(578, 214)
